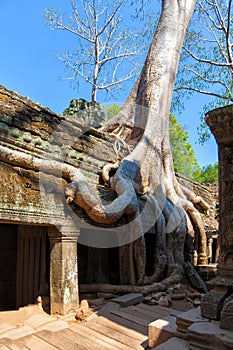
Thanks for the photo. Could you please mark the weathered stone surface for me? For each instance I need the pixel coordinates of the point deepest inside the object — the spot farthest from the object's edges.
(212, 302)
(186, 319)
(227, 314)
(129, 299)
(88, 113)
(161, 330)
(173, 344)
(209, 335)
(64, 293)
(221, 122)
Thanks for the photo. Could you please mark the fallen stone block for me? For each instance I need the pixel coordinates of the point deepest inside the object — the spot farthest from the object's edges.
(173, 344)
(186, 319)
(161, 330)
(209, 335)
(129, 299)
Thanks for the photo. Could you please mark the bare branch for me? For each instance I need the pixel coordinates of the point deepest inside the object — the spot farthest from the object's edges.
(204, 92)
(208, 80)
(228, 42)
(111, 17)
(214, 63)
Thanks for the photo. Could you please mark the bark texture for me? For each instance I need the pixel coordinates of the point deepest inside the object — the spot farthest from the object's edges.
(149, 197)
(146, 176)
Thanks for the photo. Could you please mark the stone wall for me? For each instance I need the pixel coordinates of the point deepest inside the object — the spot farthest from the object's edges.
(36, 197)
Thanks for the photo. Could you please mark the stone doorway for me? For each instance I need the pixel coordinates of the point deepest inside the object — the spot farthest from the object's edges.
(97, 265)
(24, 265)
(8, 266)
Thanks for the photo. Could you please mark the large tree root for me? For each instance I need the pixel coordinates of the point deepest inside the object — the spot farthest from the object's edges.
(147, 289)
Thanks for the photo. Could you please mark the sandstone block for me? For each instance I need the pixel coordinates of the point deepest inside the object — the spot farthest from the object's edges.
(161, 330)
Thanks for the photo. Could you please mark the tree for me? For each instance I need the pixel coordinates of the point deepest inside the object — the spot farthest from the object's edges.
(207, 175)
(206, 66)
(183, 155)
(143, 122)
(102, 46)
(113, 110)
(149, 195)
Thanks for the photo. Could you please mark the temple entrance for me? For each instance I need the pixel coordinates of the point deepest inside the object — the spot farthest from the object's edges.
(8, 266)
(24, 265)
(97, 265)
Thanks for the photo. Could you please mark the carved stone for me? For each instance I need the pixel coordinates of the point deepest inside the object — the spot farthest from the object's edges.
(64, 296)
(227, 314)
(212, 303)
(215, 304)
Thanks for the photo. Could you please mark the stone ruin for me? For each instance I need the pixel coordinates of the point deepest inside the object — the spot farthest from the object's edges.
(218, 303)
(38, 238)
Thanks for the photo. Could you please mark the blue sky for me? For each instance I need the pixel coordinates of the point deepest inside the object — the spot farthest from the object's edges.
(29, 66)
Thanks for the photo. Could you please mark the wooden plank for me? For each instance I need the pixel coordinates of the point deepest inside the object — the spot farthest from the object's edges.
(13, 344)
(157, 309)
(4, 347)
(83, 332)
(58, 341)
(149, 317)
(83, 339)
(149, 314)
(96, 335)
(131, 317)
(128, 323)
(121, 329)
(35, 343)
(113, 334)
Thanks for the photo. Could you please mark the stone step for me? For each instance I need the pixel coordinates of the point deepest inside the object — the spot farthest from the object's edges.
(173, 343)
(186, 319)
(209, 336)
(17, 333)
(54, 326)
(161, 330)
(38, 320)
(5, 327)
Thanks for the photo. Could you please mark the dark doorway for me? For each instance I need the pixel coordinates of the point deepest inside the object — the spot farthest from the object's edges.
(24, 265)
(32, 264)
(8, 263)
(97, 265)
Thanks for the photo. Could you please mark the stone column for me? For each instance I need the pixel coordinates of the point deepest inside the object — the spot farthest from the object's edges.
(64, 296)
(217, 304)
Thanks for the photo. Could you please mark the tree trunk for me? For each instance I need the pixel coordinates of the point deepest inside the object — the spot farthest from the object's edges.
(148, 193)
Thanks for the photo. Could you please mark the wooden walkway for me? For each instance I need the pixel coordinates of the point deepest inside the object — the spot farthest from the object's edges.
(112, 328)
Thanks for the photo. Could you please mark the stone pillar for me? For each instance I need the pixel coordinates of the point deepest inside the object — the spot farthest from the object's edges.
(215, 303)
(64, 296)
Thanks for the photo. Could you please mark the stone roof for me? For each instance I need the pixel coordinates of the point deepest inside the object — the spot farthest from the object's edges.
(29, 127)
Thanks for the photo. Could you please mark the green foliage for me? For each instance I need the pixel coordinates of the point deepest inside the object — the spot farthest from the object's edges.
(207, 175)
(206, 61)
(112, 110)
(184, 159)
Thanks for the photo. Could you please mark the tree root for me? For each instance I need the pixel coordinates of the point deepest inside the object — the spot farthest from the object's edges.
(174, 278)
